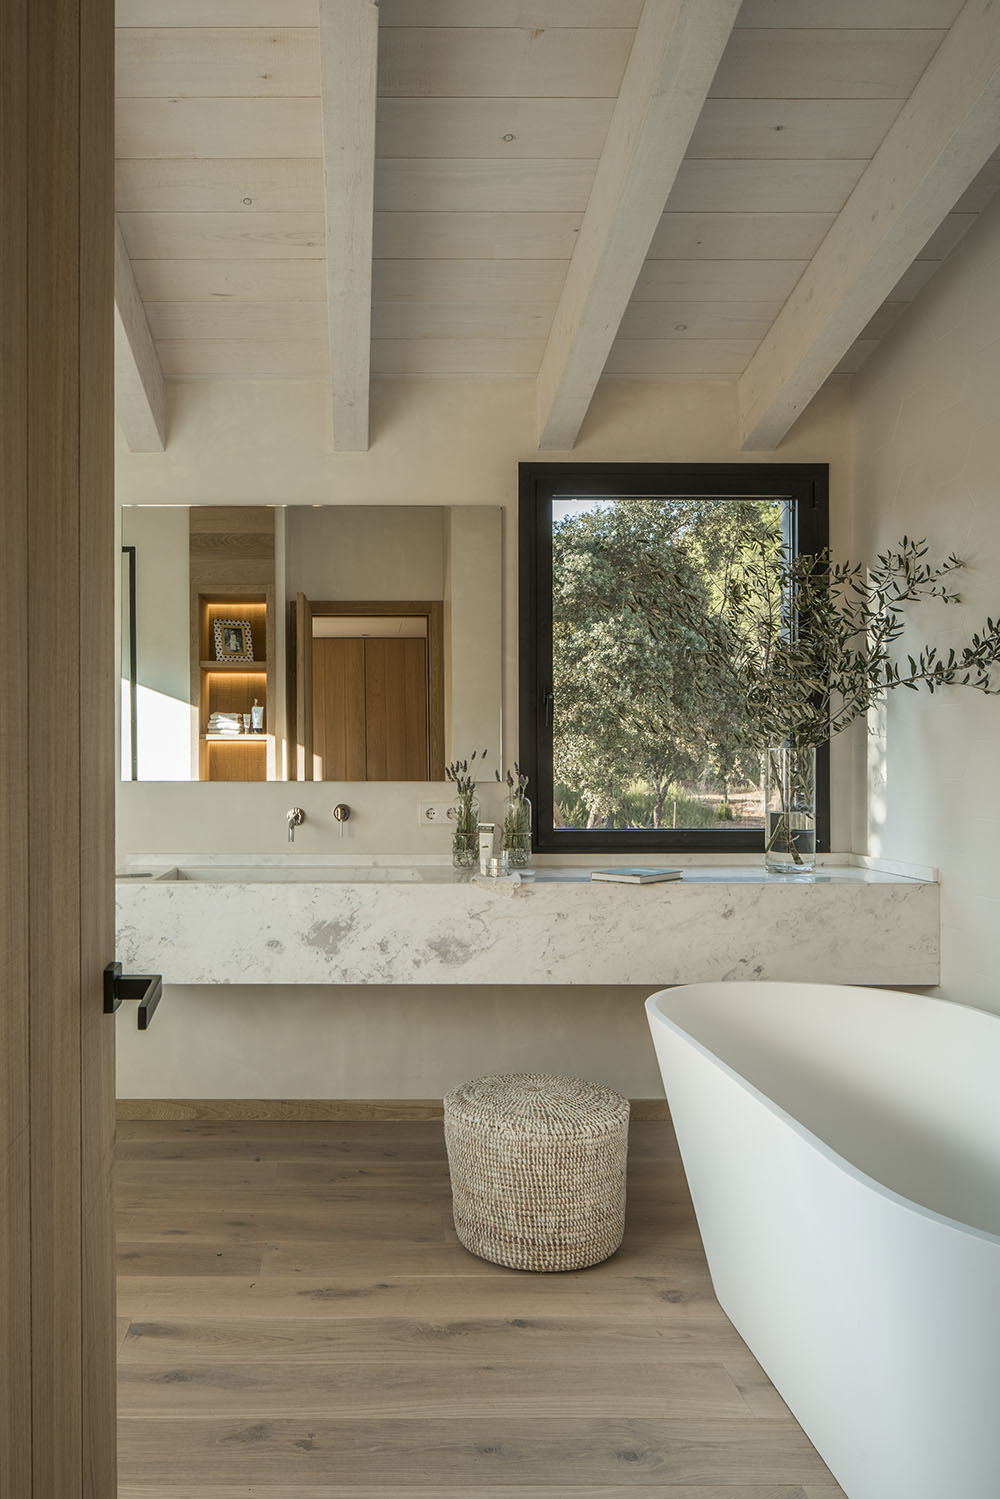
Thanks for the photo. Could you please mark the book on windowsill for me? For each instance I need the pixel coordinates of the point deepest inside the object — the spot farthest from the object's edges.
(629, 875)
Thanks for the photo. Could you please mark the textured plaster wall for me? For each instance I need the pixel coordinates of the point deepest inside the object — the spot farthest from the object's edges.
(368, 1042)
(927, 453)
(365, 552)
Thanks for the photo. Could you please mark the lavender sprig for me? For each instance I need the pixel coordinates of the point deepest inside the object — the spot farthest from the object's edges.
(459, 772)
(516, 781)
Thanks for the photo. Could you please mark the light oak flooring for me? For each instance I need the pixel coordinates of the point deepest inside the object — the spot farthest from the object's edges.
(297, 1320)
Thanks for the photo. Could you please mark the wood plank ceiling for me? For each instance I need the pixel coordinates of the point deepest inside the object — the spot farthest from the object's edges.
(492, 116)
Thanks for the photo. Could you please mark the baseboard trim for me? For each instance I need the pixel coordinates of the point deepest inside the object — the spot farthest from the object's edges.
(344, 1110)
(347, 1110)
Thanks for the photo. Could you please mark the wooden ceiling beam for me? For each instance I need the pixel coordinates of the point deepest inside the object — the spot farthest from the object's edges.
(944, 134)
(140, 393)
(348, 32)
(677, 48)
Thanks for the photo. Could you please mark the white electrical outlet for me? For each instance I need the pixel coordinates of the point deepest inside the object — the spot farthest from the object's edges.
(432, 813)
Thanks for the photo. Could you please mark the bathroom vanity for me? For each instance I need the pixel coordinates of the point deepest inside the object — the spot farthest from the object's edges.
(278, 921)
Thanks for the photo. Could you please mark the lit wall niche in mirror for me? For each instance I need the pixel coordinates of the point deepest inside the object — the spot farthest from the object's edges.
(338, 642)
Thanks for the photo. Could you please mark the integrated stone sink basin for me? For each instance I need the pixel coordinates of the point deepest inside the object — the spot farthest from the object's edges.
(336, 874)
(300, 874)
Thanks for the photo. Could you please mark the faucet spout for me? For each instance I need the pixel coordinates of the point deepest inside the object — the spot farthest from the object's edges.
(296, 817)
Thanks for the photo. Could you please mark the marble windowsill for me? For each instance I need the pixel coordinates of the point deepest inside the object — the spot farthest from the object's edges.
(276, 920)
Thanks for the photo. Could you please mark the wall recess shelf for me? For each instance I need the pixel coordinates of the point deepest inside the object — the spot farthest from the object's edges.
(232, 686)
(243, 666)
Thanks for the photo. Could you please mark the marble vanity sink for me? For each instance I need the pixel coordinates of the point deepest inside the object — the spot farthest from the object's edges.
(338, 874)
(301, 874)
(274, 920)
(295, 874)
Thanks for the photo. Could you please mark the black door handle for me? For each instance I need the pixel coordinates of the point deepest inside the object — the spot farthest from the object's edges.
(147, 988)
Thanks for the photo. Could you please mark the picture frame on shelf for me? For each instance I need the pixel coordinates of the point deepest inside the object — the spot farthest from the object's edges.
(233, 640)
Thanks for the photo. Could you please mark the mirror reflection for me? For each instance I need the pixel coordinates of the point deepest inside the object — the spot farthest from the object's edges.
(338, 642)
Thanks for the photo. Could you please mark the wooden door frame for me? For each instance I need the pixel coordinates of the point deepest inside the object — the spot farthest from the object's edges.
(299, 715)
(57, 770)
(430, 609)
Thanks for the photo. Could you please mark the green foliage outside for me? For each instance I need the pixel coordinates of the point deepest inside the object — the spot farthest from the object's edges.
(633, 723)
(635, 810)
(807, 645)
(687, 642)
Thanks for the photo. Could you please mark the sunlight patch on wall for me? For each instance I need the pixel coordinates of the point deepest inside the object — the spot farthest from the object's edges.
(165, 727)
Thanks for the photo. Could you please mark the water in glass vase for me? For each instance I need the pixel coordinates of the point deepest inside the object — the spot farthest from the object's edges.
(465, 833)
(516, 833)
(790, 809)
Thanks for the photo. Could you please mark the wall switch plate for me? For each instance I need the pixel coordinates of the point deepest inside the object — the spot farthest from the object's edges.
(433, 813)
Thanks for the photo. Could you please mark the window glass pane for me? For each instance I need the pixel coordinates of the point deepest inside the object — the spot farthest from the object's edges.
(635, 743)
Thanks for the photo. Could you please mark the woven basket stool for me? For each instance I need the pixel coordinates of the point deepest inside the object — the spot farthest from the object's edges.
(537, 1169)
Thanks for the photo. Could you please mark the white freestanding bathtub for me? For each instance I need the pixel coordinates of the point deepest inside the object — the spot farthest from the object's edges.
(842, 1146)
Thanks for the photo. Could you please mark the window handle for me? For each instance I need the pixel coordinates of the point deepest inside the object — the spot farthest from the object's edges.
(547, 704)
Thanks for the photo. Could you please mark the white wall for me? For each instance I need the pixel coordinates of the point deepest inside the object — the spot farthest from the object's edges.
(164, 714)
(369, 1042)
(474, 631)
(434, 443)
(927, 444)
(356, 552)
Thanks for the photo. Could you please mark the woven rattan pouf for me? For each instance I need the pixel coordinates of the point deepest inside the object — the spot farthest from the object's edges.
(537, 1169)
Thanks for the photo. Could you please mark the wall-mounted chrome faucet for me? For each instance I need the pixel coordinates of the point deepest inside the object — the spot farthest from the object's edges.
(341, 812)
(296, 817)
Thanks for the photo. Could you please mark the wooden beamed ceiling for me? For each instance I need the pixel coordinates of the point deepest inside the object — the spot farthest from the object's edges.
(140, 397)
(348, 50)
(254, 259)
(674, 57)
(938, 144)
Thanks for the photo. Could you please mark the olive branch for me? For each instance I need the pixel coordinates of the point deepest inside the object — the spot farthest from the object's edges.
(806, 644)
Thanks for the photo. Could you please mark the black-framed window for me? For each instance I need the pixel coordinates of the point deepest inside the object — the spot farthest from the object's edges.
(592, 702)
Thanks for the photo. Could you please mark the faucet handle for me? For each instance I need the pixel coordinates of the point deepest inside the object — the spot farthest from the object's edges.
(296, 817)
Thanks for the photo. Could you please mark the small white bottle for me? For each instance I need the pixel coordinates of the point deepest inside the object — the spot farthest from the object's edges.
(487, 833)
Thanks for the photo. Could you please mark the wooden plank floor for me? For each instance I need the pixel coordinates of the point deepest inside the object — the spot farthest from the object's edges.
(297, 1320)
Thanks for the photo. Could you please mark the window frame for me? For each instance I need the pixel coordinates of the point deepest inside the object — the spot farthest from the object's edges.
(805, 486)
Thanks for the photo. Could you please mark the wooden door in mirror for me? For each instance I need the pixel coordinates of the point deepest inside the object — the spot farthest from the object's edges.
(368, 687)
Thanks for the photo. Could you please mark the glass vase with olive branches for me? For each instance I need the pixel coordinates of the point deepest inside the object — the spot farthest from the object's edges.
(802, 646)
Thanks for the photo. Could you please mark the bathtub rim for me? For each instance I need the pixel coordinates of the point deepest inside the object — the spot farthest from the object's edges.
(801, 1130)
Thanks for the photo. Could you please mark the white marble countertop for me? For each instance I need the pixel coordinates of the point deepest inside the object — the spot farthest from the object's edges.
(278, 920)
(305, 873)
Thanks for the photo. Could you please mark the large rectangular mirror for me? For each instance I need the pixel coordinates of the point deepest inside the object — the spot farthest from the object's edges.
(334, 642)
